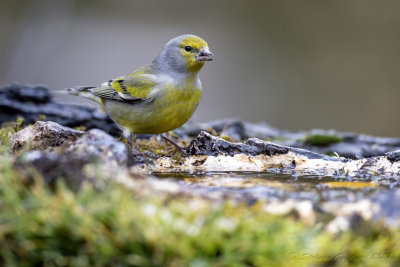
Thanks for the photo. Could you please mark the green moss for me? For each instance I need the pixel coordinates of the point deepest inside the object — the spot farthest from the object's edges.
(113, 227)
(322, 139)
(41, 117)
(8, 129)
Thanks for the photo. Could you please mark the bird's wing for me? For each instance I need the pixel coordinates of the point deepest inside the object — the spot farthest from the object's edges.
(138, 86)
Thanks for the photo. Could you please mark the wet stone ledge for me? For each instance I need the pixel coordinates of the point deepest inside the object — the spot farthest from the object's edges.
(211, 153)
(208, 153)
(208, 145)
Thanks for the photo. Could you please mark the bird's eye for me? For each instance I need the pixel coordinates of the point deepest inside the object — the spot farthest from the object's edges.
(188, 48)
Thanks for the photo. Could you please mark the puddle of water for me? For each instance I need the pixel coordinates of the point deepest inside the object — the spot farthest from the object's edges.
(251, 187)
(284, 186)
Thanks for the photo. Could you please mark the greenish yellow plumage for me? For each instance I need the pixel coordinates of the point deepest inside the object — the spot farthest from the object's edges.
(169, 111)
(158, 97)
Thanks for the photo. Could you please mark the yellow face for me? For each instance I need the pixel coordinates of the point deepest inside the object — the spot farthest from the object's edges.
(193, 50)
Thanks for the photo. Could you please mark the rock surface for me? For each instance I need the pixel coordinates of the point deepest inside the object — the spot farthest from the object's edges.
(33, 102)
(206, 144)
(86, 158)
(98, 144)
(349, 145)
(43, 135)
(393, 155)
(210, 153)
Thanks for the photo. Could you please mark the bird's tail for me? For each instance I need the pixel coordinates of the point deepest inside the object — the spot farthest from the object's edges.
(86, 92)
(79, 90)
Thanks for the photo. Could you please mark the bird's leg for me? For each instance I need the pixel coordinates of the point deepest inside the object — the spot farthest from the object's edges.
(131, 140)
(133, 144)
(180, 149)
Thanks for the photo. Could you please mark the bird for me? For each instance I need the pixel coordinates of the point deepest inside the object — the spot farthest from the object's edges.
(158, 97)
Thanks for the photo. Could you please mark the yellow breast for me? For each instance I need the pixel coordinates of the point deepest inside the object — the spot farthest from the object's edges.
(169, 110)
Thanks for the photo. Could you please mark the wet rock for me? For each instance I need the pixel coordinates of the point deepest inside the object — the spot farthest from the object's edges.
(206, 144)
(53, 166)
(330, 142)
(310, 155)
(353, 150)
(210, 153)
(32, 102)
(393, 155)
(94, 144)
(349, 145)
(43, 135)
(94, 155)
(103, 147)
(75, 168)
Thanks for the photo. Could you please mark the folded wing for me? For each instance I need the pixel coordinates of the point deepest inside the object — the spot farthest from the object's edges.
(138, 86)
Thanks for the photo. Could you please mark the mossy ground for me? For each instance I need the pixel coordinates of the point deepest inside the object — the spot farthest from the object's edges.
(112, 226)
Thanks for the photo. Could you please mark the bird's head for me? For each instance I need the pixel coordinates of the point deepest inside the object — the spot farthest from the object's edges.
(185, 53)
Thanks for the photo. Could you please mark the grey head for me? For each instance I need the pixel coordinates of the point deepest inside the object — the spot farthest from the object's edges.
(183, 54)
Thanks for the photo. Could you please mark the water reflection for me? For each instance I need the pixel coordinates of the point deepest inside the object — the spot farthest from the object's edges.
(284, 186)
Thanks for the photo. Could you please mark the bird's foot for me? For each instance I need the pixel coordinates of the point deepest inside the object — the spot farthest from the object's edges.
(134, 151)
(130, 141)
(178, 147)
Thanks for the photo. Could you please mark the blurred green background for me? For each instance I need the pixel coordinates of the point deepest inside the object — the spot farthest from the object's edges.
(294, 64)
